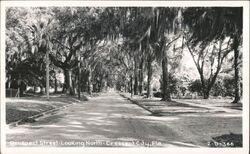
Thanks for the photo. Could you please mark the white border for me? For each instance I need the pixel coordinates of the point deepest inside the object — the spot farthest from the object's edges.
(245, 69)
(244, 4)
(124, 3)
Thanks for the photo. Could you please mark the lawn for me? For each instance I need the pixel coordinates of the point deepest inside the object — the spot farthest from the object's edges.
(24, 107)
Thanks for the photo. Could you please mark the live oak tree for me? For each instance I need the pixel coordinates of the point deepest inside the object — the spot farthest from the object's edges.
(78, 32)
(143, 41)
(155, 40)
(219, 26)
(120, 46)
(67, 40)
(208, 61)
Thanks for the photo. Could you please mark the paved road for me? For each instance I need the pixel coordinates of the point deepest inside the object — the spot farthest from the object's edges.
(111, 120)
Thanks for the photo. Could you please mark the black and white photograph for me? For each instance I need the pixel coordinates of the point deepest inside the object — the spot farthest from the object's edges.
(114, 76)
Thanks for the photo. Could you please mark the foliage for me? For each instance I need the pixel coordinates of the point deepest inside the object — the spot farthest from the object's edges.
(195, 86)
(123, 47)
(211, 40)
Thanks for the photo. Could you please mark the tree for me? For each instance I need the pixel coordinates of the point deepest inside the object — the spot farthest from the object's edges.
(79, 32)
(134, 23)
(88, 42)
(152, 39)
(164, 31)
(24, 39)
(235, 20)
(208, 61)
(212, 25)
(67, 40)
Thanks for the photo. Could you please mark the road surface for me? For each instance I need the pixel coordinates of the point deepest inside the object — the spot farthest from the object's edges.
(110, 120)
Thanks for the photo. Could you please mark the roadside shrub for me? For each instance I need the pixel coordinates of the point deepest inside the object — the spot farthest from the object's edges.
(218, 89)
(228, 83)
(195, 86)
(158, 94)
(173, 84)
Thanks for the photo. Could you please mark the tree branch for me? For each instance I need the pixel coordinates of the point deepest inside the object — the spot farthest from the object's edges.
(61, 44)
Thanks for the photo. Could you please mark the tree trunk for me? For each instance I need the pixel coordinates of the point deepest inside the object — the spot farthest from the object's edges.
(100, 84)
(47, 75)
(165, 81)
(68, 80)
(19, 86)
(125, 87)
(210, 84)
(131, 85)
(205, 88)
(55, 83)
(90, 86)
(71, 86)
(141, 78)
(136, 82)
(41, 89)
(206, 94)
(149, 84)
(8, 82)
(74, 83)
(65, 84)
(236, 72)
(79, 81)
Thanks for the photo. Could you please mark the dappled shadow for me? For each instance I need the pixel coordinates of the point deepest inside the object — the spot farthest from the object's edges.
(236, 107)
(222, 103)
(172, 108)
(106, 118)
(113, 119)
(166, 108)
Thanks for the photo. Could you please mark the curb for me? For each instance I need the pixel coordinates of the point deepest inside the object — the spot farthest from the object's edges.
(135, 102)
(43, 113)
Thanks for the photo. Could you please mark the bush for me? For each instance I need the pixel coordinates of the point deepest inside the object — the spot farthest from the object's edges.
(222, 87)
(228, 83)
(158, 94)
(218, 89)
(173, 84)
(195, 86)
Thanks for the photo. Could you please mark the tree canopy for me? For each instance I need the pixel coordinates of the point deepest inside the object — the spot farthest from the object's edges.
(133, 49)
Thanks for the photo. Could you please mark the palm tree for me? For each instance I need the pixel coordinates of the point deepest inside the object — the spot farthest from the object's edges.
(42, 43)
(34, 43)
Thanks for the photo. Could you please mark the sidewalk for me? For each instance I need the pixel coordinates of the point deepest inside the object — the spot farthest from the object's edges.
(26, 109)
